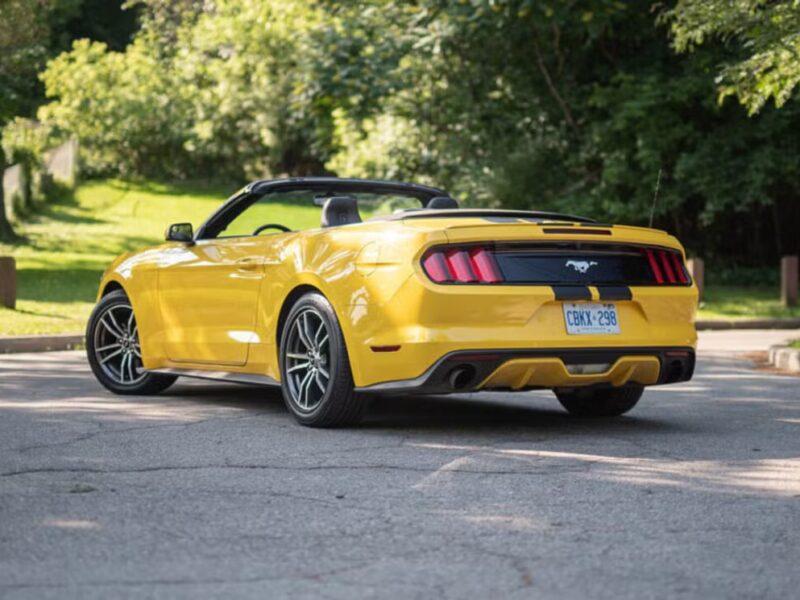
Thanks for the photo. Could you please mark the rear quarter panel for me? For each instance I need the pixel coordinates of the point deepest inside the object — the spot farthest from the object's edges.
(358, 268)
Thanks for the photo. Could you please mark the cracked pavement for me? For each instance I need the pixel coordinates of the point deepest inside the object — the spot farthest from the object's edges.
(212, 490)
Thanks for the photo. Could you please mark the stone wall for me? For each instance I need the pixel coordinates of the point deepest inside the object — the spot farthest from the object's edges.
(60, 165)
(15, 191)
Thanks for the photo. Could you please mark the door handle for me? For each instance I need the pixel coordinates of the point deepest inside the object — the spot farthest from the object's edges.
(248, 264)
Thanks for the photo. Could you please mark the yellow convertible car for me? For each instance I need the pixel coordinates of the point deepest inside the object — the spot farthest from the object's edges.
(419, 297)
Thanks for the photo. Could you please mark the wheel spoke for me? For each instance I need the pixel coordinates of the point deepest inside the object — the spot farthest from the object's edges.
(130, 322)
(303, 390)
(322, 386)
(320, 329)
(324, 372)
(296, 356)
(304, 365)
(109, 347)
(108, 357)
(307, 328)
(110, 314)
(302, 336)
(131, 371)
(111, 328)
(323, 341)
(122, 365)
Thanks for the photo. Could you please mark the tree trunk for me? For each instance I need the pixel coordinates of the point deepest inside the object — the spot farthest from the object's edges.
(6, 231)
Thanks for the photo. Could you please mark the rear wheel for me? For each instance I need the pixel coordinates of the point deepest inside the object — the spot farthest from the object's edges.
(316, 380)
(113, 350)
(602, 402)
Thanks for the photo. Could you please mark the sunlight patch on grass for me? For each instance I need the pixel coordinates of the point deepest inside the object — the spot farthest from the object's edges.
(69, 244)
(735, 302)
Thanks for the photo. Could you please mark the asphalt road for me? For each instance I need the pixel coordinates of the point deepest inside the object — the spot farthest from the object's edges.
(213, 491)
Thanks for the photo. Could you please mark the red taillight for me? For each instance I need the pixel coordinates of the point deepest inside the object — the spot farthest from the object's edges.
(676, 259)
(436, 267)
(462, 265)
(654, 266)
(667, 266)
(485, 265)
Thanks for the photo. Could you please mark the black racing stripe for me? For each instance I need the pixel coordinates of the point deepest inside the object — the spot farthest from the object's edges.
(615, 292)
(572, 292)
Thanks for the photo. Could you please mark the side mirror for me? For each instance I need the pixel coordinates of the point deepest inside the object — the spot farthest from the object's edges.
(180, 232)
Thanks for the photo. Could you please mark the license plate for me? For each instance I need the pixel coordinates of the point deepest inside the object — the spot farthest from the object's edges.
(585, 318)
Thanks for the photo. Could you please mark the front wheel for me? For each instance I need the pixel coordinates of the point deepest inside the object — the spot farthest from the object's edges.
(602, 402)
(316, 380)
(112, 347)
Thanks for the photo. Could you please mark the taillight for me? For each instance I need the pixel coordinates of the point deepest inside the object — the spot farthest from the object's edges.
(462, 265)
(667, 266)
(485, 266)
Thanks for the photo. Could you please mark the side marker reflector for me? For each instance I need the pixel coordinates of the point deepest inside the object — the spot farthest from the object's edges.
(385, 348)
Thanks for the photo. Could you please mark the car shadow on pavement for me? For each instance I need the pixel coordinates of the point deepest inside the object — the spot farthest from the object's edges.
(486, 411)
(458, 412)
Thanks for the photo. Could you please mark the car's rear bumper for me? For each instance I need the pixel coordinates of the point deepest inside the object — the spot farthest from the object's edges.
(522, 369)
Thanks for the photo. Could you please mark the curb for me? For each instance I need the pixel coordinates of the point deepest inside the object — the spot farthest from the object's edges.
(785, 358)
(40, 343)
(714, 325)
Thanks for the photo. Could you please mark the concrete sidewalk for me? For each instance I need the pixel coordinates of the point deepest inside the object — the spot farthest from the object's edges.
(744, 340)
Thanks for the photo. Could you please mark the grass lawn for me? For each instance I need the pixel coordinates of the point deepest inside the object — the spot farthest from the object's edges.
(70, 243)
(735, 302)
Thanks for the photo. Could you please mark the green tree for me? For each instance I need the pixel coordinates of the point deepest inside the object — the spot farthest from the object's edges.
(201, 89)
(33, 30)
(577, 106)
(767, 36)
(573, 105)
(21, 55)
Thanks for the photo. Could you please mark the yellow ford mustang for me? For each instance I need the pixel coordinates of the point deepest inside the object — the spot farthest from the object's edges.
(428, 298)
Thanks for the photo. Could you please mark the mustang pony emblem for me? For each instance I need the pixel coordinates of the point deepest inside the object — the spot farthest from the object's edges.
(581, 266)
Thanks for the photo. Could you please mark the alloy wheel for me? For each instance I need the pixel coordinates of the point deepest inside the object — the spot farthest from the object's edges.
(308, 360)
(116, 345)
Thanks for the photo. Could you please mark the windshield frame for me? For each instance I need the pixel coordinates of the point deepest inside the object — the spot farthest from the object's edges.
(325, 186)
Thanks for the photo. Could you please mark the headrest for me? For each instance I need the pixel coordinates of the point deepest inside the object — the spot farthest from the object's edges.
(340, 210)
(440, 202)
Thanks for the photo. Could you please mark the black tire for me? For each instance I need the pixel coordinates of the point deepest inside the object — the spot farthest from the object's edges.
(602, 402)
(104, 345)
(316, 380)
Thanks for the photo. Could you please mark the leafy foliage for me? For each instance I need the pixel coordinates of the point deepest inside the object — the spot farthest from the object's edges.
(578, 105)
(768, 33)
(31, 31)
(21, 55)
(122, 106)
